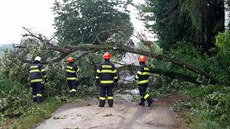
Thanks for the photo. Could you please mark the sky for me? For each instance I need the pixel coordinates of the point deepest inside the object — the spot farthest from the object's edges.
(36, 15)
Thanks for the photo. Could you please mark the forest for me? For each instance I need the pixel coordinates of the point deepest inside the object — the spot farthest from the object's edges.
(190, 57)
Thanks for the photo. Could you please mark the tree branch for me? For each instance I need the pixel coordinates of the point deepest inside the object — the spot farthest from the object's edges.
(124, 48)
(90, 47)
(170, 74)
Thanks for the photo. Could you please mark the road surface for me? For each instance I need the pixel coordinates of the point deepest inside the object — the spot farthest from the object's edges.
(124, 115)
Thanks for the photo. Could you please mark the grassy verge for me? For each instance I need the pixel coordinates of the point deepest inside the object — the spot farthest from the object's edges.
(207, 108)
(37, 113)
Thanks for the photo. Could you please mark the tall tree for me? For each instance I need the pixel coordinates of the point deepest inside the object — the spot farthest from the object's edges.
(206, 18)
(169, 25)
(80, 21)
(196, 21)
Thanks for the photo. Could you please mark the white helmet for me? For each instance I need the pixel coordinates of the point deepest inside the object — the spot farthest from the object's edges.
(37, 58)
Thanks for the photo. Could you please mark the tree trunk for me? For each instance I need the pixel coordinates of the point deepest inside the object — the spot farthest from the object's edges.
(170, 74)
(63, 52)
(87, 47)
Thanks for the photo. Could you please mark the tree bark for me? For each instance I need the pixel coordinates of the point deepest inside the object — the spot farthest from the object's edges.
(170, 74)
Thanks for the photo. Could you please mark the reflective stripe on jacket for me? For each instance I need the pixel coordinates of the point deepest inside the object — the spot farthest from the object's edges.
(143, 74)
(71, 70)
(107, 73)
(37, 72)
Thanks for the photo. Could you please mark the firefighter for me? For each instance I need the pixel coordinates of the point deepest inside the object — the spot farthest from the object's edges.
(106, 79)
(142, 81)
(71, 72)
(37, 78)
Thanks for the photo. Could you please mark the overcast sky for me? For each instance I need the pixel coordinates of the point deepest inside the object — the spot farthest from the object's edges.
(34, 14)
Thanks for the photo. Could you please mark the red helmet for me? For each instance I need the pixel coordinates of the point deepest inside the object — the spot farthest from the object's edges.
(70, 59)
(142, 59)
(107, 55)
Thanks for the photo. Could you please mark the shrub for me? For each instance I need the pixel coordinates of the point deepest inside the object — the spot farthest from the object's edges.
(14, 99)
(217, 105)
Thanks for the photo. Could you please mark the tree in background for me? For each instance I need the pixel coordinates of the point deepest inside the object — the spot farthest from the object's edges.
(196, 21)
(206, 19)
(80, 21)
(169, 25)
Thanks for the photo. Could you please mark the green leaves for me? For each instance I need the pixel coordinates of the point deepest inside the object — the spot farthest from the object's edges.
(195, 21)
(14, 99)
(13, 68)
(79, 21)
(223, 41)
(210, 104)
(217, 105)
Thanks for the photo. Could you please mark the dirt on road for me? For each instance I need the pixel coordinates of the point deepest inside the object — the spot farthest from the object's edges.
(124, 115)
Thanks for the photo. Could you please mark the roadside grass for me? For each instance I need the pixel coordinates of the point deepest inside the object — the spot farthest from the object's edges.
(208, 107)
(37, 113)
(201, 122)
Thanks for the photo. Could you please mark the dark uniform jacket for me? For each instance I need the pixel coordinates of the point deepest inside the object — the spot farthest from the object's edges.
(142, 75)
(71, 70)
(37, 72)
(106, 74)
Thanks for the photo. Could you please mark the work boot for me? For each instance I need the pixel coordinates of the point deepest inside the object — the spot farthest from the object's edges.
(101, 103)
(70, 92)
(110, 102)
(73, 93)
(150, 101)
(39, 99)
(142, 103)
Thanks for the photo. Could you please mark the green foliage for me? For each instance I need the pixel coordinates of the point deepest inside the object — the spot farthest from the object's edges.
(80, 21)
(36, 113)
(208, 106)
(186, 52)
(14, 99)
(188, 20)
(13, 68)
(217, 105)
(179, 105)
(15, 94)
(211, 104)
(223, 42)
(162, 87)
(88, 66)
(156, 49)
(202, 90)
(35, 47)
(3, 48)
(169, 84)
(168, 24)
(57, 84)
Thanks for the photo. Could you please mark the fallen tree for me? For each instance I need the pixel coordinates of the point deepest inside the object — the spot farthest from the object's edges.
(91, 48)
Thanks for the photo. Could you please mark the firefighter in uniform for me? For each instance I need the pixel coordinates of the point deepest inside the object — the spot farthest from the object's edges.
(71, 71)
(106, 78)
(142, 81)
(37, 78)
